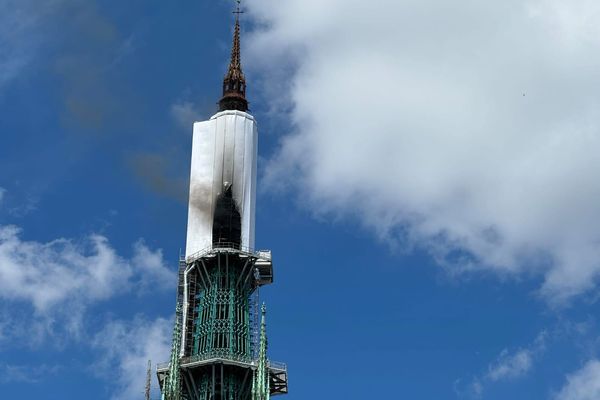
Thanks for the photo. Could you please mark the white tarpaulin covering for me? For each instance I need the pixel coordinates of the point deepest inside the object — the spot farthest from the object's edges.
(224, 153)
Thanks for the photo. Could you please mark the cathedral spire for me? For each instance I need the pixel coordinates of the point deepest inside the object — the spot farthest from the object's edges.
(234, 84)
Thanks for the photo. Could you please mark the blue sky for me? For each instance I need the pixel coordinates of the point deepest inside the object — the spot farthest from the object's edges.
(428, 186)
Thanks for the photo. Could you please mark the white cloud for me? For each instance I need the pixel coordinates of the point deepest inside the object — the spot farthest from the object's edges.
(26, 374)
(476, 389)
(185, 113)
(512, 365)
(61, 278)
(59, 281)
(2, 193)
(126, 349)
(13, 26)
(583, 384)
(150, 268)
(20, 36)
(470, 390)
(470, 129)
(509, 365)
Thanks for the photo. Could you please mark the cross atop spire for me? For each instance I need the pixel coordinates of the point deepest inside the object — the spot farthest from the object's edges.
(238, 9)
(234, 84)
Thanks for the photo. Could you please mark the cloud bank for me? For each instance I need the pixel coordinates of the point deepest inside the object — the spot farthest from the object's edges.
(508, 366)
(17, 39)
(185, 113)
(468, 129)
(583, 384)
(26, 374)
(46, 290)
(60, 279)
(126, 347)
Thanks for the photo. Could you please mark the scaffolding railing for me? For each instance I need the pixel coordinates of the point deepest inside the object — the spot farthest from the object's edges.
(277, 365)
(228, 246)
(164, 365)
(211, 356)
(216, 354)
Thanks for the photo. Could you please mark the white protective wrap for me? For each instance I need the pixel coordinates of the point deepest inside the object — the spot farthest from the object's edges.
(224, 151)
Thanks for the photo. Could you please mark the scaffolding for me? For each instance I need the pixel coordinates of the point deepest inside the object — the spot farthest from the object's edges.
(220, 334)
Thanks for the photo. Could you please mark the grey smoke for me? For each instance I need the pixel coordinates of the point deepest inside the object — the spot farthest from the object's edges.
(157, 173)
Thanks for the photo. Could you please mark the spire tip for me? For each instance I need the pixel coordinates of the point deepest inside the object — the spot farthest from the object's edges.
(234, 84)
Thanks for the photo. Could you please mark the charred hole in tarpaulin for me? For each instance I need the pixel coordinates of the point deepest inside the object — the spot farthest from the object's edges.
(227, 223)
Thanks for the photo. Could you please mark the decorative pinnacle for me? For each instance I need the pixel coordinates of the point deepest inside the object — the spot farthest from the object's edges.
(261, 383)
(234, 84)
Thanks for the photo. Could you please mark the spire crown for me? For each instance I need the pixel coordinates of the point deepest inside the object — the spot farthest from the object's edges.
(234, 83)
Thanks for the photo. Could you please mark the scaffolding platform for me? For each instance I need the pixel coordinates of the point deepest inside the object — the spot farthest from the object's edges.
(261, 259)
(277, 370)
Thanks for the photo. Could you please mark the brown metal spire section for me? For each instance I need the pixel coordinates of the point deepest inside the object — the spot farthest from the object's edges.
(234, 84)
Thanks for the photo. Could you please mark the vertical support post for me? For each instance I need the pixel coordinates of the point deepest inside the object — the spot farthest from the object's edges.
(214, 393)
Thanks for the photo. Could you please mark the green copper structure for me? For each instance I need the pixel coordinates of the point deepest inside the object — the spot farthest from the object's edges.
(172, 385)
(261, 382)
(219, 346)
